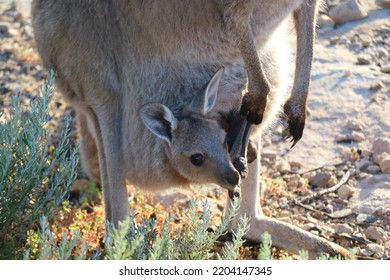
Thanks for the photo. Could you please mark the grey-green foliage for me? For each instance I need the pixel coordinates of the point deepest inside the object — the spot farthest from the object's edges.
(141, 241)
(67, 249)
(265, 252)
(34, 177)
(193, 242)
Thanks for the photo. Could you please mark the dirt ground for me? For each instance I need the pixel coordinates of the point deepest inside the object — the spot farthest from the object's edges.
(346, 138)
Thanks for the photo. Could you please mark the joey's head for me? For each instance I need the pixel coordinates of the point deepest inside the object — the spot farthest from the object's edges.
(195, 142)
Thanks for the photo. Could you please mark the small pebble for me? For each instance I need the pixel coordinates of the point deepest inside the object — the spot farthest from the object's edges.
(343, 228)
(375, 233)
(334, 40)
(362, 218)
(345, 192)
(355, 125)
(381, 145)
(269, 154)
(377, 85)
(321, 179)
(379, 157)
(366, 39)
(309, 226)
(364, 59)
(357, 136)
(385, 165)
(367, 209)
(363, 164)
(374, 248)
(366, 252)
(284, 213)
(385, 68)
(285, 219)
(373, 169)
(347, 11)
(285, 207)
(283, 166)
(329, 209)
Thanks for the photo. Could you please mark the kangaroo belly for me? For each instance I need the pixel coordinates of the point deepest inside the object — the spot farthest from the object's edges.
(154, 51)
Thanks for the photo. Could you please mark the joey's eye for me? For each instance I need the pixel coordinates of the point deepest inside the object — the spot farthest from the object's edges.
(197, 159)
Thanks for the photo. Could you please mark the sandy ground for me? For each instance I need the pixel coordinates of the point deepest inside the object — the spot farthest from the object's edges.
(342, 96)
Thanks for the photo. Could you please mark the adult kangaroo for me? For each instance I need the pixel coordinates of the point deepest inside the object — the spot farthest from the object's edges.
(157, 84)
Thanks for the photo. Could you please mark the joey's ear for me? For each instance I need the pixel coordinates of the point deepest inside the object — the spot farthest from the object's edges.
(159, 120)
(205, 100)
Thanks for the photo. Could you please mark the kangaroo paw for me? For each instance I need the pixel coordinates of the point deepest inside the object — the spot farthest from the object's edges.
(241, 165)
(253, 108)
(296, 116)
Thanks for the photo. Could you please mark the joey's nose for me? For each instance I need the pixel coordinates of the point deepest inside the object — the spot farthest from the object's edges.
(233, 178)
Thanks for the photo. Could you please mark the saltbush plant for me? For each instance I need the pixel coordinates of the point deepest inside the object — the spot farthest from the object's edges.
(144, 240)
(34, 176)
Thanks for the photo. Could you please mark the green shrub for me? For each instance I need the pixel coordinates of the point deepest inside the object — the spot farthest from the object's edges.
(142, 241)
(34, 176)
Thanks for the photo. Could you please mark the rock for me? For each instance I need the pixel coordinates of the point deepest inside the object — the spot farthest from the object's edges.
(8, 30)
(284, 213)
(344, 41)
(334, 40)
(373, 169)
(355, 125)
(364, 218)
(357, 136)
(366, 39)
(385, 68)
(347, 11)
(381, 145)
(374, 248)
(375, 233)
(365, 209)
(343, 228)
(16, 8)
(383, 3)
(361, 218)
(269, 154)
(312, 220)
(366, 252)
(377, 85)
(285, 219)
(380, 210)
(363, 164)
(283, 166)
(309, 226)
(321, 179)
(387, 245)
(379, 157)
(309, 175)
(324, 21)
(325, 29)
(381, 52)
(364, 59)
(329, 209)
(345, 192)
(385, 165)
(295, 165)
(292, 185)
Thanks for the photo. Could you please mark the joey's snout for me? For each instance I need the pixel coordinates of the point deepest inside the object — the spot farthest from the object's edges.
(230, 178)
(233, 178)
